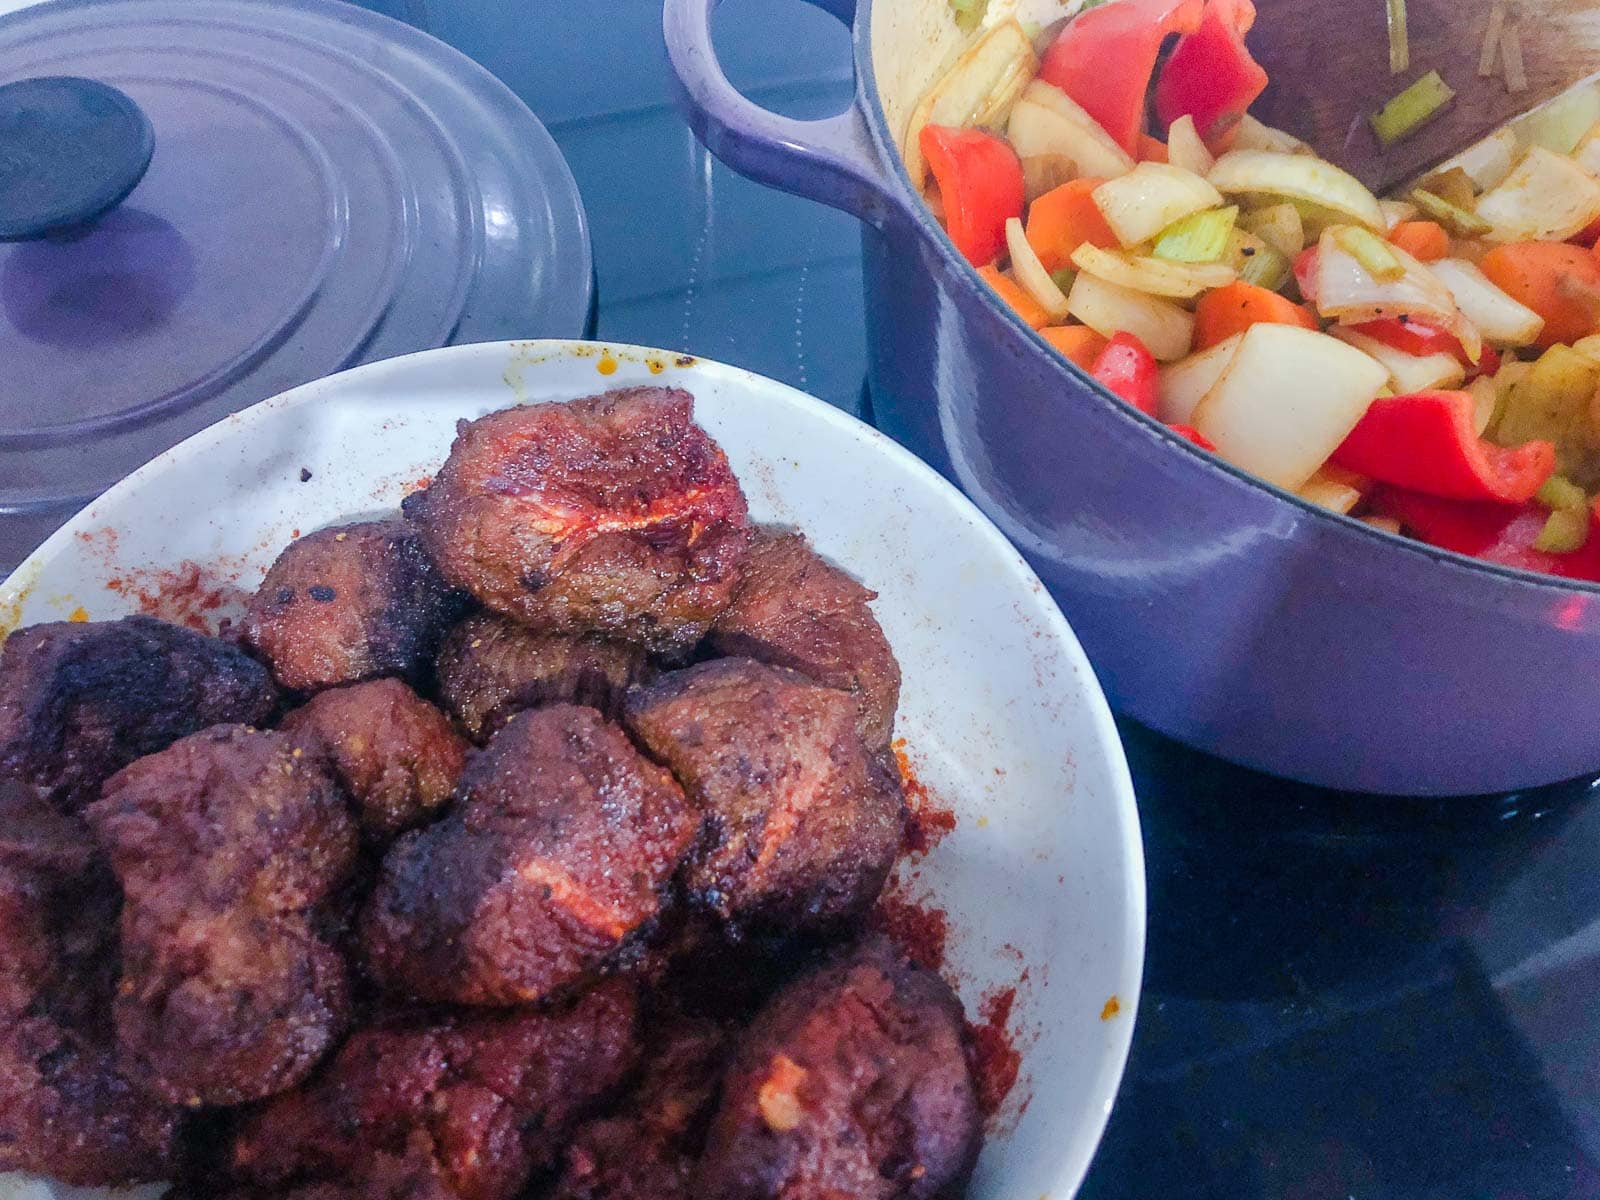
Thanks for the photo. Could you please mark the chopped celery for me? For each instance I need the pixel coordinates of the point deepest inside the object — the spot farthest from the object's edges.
(1551, 403)
(1412, 108)
(1198, 238)
(1457, 220)
(1258, 262)
(1062, 277)
(1558, 492)
(968, 13)
(1565, 530)
(1371, 251)
(1399, 41)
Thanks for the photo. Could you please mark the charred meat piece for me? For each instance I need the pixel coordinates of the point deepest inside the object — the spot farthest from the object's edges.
(80, 701)
(396, 755)
(647, 1149)
(472, 1102)
(555, 857)
(225, 844)
(803, 821)
(65, 1109)
(855, 1081)
(348, 603)
(797, 610)
(614, 514)
(491, 668)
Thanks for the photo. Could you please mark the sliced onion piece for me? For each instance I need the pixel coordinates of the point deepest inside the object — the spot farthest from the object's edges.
(1186, 150)
(1107, 308)
(1152, 276)
(1253, 135)
(1395, 211)
(1046, 121)
(1545, 198)
(1280, 226)
(1500, 319)
(1029, 272)
(1587, 153)
(979, 89)
(1144, 201)
(1486, 162)
(1286, 400)
(1348, 293)
(1407, 372)
(1298, 177)
(1183, 384)
(1560, 122)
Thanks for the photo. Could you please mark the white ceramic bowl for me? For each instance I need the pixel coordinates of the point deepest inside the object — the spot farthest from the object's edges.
(1042, 879)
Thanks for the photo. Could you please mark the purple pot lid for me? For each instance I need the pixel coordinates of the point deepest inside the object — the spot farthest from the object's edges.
(328, 187)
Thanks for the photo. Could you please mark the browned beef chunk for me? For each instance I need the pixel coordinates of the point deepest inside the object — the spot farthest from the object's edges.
(795, 609)
(225, 844)
(348, 603)
(803, 822)
(464, 1106)
(65, 1109)
(556, 856)
(855, 1082)
(396, 755)
(646, 1150)
(614, 514)
(491, 668)
(80, 701)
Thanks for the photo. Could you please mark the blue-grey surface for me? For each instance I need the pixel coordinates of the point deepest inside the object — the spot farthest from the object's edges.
(1345, 997)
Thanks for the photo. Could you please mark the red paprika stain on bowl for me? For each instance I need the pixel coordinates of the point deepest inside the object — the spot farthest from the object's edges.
(927, 821)
(186, 595)
(996, 1060)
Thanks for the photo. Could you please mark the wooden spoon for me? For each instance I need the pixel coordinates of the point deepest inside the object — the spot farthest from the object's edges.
(1329, 65)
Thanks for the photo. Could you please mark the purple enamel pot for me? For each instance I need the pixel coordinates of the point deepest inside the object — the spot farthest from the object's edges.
(1217, 609)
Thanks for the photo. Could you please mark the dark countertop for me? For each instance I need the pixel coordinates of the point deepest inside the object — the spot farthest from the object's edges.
(1345, 996)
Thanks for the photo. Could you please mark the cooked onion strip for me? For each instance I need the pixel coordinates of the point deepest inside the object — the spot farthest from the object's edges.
(1029, 272)
(1348, 293)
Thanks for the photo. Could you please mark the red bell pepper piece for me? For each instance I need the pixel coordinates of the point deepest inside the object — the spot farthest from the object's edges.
(1104, 59)
(1497, 533)
(1127, 367)
(1411, 335)
(1425, 442)
(1305, 273)
(980, 184)
(1210, 76)
(1195, 436)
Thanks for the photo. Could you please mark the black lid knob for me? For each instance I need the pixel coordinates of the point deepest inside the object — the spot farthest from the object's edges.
(70, 149)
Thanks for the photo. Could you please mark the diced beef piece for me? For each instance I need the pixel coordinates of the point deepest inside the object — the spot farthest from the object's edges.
(396, 755)
(226, 844)
(348, 603)
(65, 1109)
(491, 668)
(795, 609)
(80, 701)
(614, 514)
(855, 1081)
(803, 821)
(556, 857)
(456, 1105)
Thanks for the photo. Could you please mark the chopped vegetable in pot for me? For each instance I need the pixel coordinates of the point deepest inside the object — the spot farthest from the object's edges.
(1427, 363)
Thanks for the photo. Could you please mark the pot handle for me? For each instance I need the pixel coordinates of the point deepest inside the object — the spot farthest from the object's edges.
(831, 161)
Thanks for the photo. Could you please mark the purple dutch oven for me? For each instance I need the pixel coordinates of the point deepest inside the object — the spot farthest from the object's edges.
(1218, 609)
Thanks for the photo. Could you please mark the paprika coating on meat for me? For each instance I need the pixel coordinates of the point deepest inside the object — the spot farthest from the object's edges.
(348, 603)
(474, 1102)
(803, 822)
(614, 514)
(855, 1081)
(555, 858)
(225, 844)
(65, 1108)
(395, 754)
(80, 701)
(490, 668)
(795, 609)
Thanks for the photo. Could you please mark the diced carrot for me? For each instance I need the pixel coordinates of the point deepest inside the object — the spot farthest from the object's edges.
(1151, 149)
(1425, 241)
(1077, 342)
(1232, 309)
(1063, 219)
(1012, 293)
(1558, 281)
